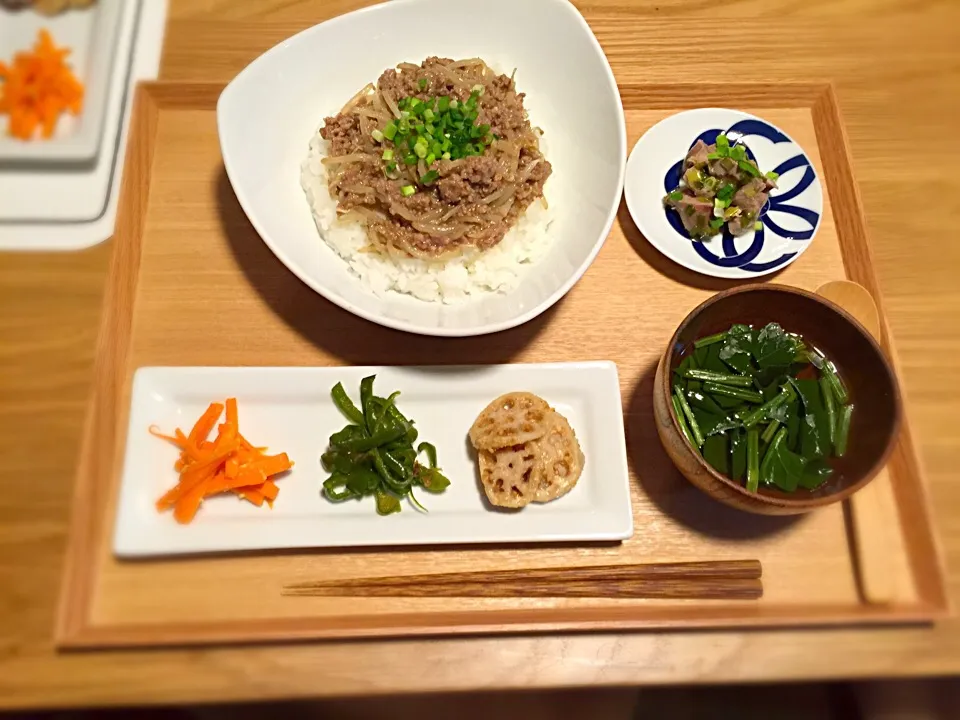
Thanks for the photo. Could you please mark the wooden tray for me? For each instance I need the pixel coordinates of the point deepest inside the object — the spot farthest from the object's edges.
(193, 284)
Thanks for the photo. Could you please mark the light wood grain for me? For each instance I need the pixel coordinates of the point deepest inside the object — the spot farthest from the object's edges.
(896, 67)
(222, 264)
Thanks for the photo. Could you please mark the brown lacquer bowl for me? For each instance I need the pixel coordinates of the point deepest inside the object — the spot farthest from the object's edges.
(860, 361)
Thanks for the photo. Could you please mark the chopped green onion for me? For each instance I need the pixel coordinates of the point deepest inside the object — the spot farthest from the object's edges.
(722, 141)
(727, 192)
(390, 131)
(772, 176)
(454, 104)
(420, 151)
(748, 168)
(388, 154)
(443, 104)
(391, 167)
(430, 159)
(446, 156)
(717, 223)
(478, 89)
(430, 177)
(422, 83)
(758, 226)
(410, 159)
(377, 136)
(414, 102)
(428, 115)
(738, 152)
(407, 190)
(676, 196)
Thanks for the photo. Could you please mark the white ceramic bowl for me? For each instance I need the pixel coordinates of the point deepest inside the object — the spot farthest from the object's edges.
(268, 114)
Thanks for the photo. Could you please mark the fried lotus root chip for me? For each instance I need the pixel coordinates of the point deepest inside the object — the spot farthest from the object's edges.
(560, 460)
(510, 476)
(512, 419)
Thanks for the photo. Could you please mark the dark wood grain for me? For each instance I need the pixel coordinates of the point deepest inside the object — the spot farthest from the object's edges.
(730, 580)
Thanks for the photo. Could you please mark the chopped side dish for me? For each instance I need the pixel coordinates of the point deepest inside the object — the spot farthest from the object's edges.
(229, 463)
(37, 88)
(720, 186)
(375, 455)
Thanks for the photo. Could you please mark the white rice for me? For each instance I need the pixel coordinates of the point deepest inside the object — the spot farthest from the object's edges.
(498, 269)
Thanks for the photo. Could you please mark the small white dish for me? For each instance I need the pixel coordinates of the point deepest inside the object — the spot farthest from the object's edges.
(268, 114)
(82, 191)
(91, 35)
(290, 410)
(790, 219)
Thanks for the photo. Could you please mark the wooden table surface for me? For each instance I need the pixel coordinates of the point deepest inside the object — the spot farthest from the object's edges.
(896, 66)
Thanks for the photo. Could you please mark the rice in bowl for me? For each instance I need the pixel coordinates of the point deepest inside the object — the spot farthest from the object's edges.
(472, 273)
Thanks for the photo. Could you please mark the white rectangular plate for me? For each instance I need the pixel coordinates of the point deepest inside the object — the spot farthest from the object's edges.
(91, 36)
(290, 410)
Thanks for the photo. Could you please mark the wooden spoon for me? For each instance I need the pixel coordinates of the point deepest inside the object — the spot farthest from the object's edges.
(872, 509)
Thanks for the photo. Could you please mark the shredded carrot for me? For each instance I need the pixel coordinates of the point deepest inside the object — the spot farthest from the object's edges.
(228, 463)
(37, 88)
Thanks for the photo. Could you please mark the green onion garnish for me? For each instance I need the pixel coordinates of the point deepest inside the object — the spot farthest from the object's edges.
(391, 167)
(422, 83)
(676, 196)
(430, 159)
(388, 154)
(748, 168)
(428, 115)
(377, 136)
(738, 152)
(414, 103)
(407, 190)
(716, 223)
(758, 225)
(446, 156)
(410, 159)
(772, 176)
(443, 104)
(390, 131)
(430, 177)
(722, 141)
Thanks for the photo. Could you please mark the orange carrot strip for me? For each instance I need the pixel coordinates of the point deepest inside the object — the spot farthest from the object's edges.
(270, 490)
(187, 505)
(250, 494)
(205, 424)
(274, 464)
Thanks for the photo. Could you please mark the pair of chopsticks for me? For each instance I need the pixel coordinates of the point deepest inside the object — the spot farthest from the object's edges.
(715, 580)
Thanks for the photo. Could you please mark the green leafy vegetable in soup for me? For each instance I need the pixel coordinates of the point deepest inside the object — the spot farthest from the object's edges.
(375, 455)
(763, 408)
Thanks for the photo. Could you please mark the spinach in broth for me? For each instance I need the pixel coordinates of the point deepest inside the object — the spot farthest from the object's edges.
(763, 408)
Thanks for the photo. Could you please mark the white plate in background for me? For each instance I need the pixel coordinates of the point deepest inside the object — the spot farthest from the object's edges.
(290, 410)
(81, 193)
(91, 34)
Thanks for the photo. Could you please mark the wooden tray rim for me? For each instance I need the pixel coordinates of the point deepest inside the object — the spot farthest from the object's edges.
(101, 444)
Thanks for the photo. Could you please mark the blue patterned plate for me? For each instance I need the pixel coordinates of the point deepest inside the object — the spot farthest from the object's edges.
(789, 219)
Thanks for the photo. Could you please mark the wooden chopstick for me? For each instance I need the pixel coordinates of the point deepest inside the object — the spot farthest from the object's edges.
(723, 579)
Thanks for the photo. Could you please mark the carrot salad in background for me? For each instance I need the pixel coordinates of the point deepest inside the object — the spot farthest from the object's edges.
(37, 87)
(227, 464)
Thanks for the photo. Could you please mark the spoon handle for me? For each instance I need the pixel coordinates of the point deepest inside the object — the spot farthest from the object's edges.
(872, 510)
